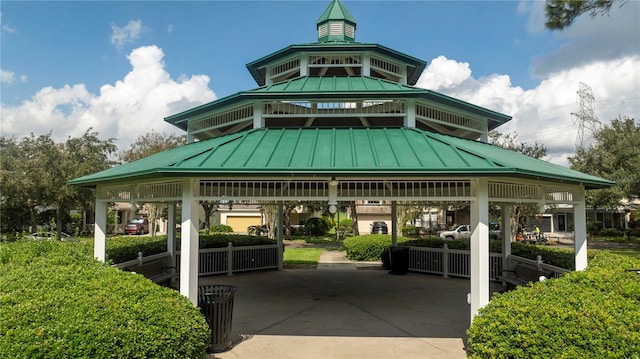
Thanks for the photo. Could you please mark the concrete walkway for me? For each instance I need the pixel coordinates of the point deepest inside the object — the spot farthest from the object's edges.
(346, 310)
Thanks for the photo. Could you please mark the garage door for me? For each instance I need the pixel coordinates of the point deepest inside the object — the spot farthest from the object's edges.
(240, 223)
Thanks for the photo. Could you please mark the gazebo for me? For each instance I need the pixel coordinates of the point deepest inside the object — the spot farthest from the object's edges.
(336, 121)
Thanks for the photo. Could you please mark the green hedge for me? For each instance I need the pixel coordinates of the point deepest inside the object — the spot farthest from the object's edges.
(372, 247)
(57, 302)
(559, 257)
(588, 314)
(222, 240)
(124, 248)
(368, 247)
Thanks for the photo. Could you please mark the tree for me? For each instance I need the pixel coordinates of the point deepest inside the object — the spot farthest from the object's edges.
(81, 156)
(147, 145)
(151, 143)
(35, 171)
(510, 141)
(562, 13)
(614, 156)
(209, 207)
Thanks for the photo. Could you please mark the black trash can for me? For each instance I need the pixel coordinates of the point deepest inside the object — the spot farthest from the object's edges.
(399, 260)
(216, 304)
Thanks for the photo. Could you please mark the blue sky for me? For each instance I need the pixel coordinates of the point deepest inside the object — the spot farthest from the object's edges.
(121, 67)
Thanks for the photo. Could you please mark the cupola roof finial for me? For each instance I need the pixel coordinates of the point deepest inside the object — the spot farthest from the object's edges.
(336, 24)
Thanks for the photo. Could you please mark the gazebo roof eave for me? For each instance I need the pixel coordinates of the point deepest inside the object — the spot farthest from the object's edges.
(382, 173)
(372, 152)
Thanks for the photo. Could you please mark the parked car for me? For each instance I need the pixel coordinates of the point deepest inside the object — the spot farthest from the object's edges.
(494, 230)
(460, 232)
(47, 236)
(464, 232)
(379, 227)
(137, 226)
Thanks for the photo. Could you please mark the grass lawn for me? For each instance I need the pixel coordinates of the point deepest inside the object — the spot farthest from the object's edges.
(302, 255)
(633, 253)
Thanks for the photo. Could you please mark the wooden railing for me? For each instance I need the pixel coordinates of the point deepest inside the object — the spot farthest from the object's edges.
(442, 261)
(235, 259)
(449, 262)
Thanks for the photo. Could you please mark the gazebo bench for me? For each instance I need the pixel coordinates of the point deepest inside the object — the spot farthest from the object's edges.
(154, 271)
(521, 275)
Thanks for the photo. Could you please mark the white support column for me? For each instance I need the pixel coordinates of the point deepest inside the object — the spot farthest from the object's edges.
(189, 246)
(580, 233)
(171, 231)
(366, 64)
(506, 234)
(479, 246)
(100, 231)
(394, 223)
(410, 118)
(484, 136)
(304, 64)
(280, 233)
(258, 119)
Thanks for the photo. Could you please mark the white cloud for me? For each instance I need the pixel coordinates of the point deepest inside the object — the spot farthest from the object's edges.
(444, 73)
(588, 39)
(7, 77)
(6, 27)
(135, 105)
(543, 114)
(126, 34)
(602, 52)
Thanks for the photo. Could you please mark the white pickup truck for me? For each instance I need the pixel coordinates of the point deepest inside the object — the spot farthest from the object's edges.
(460, 232)
(464, 232)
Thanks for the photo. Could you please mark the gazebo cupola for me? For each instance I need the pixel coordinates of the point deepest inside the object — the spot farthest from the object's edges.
(336, 24)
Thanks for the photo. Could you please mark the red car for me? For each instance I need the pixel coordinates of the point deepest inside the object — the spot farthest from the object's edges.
(137, 226)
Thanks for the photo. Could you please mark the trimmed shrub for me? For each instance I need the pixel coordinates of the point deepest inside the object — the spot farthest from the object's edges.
(611, 232)
(57, 302)
(594, 227)
(124, 248)
(411, 231)
(558, 257)
(346, 226)
(587, 314)
(222, 240)
(368, 247)
(316, 226)
(221, 228)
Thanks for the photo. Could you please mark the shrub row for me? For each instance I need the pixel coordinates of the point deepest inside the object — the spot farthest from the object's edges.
(368, 247)
(558, 257)
(125, 248)
(57, 302)
(587, 314)
(373, 247)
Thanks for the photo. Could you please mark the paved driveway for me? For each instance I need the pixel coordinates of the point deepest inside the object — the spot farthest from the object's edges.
(344, 312)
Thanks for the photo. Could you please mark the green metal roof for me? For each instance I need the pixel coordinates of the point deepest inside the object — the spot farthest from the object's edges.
(339, 152)
(337, 84)
(336, 11)
(315, 88)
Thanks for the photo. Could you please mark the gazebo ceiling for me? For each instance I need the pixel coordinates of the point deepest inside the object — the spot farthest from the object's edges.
(340, 152)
